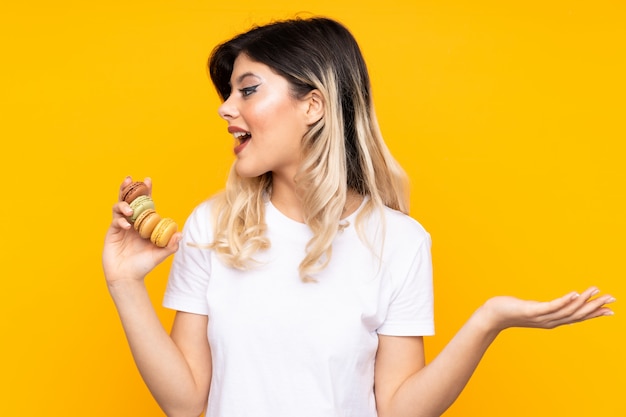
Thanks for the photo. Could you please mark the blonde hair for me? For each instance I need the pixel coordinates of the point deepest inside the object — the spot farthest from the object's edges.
(343, 153)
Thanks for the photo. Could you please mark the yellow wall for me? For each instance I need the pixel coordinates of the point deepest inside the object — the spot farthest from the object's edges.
(508, 117)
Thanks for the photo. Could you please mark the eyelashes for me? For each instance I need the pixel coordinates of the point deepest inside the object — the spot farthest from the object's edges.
(245, 92)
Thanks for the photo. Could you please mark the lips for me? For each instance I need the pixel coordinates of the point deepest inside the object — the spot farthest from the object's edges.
(242, 136)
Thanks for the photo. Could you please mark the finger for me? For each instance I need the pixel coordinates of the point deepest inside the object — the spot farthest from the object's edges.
(121, 214)
(577, 319)
(122, 223)
(175, 240)
(589, 292)
(586, 303)
(573, 301)
(121, 209)
(124, 183)
(588, 310)
(173, 243)
(557, 310)
(161, 254)
(599, 312)
(148, 182)
(549, 308)
(592, 307)
(578, 302)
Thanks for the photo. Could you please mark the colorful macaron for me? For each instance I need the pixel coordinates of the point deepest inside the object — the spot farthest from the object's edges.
(163, 232)
(139, 205)
(146, 222)
(134, 190)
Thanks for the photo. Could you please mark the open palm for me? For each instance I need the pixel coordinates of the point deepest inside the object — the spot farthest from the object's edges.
(571, 308)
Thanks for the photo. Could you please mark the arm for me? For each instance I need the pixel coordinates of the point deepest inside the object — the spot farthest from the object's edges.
(176, 368)
(406, 387)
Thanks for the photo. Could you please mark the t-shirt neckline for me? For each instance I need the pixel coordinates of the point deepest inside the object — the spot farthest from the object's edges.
(272, 210)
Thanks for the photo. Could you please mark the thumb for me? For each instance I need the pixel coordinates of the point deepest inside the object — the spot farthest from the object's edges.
(160, 254)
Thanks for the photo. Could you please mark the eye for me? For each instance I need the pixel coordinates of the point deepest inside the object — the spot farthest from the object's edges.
(245, 92)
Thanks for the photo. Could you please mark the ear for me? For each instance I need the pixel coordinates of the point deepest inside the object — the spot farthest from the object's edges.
(314, 107)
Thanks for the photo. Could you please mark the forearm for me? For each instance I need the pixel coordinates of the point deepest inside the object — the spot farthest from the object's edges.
(431, 390)
(160, 362)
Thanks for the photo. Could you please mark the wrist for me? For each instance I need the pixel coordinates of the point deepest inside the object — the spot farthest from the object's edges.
(487, 320)
(126, 286)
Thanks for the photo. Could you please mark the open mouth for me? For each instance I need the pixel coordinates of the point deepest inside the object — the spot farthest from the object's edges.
(242, 137)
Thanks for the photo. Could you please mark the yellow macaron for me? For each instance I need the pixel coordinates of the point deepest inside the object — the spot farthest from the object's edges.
(163, 232)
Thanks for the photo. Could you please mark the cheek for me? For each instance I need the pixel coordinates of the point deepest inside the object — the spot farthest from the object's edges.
(262, 116)
(275, 116)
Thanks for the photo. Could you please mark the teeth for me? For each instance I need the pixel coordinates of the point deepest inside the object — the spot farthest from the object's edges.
(239, 135)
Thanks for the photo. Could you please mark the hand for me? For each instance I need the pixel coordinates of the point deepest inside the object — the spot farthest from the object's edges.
(571, 308)
(126, 255)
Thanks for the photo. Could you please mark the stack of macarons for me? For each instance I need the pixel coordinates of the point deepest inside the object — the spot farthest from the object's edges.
(145, 219)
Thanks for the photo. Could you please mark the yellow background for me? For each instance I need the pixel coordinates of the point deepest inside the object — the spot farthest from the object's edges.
(508, 116)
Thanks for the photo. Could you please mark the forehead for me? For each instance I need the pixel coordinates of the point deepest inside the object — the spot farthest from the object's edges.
(244, 67)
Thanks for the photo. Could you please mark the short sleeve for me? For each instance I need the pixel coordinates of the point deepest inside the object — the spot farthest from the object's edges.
(410, 311)
(191, 268)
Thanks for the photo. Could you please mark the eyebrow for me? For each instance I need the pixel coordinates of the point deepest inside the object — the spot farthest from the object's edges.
(244, 76)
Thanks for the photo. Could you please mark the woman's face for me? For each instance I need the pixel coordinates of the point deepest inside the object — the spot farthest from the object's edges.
(266, 121)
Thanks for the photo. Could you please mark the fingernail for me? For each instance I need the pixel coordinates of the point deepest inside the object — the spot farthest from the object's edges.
(610, 300)
(574, 296)
(594, 292)
(609, 313)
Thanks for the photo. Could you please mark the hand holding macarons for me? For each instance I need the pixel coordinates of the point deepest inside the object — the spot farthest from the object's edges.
(144, 218)
(138, 238)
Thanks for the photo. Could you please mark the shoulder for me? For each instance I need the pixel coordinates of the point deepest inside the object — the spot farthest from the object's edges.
(199, 224)
(202, 212)
(400, 220)
(402, 227)
(398, 233)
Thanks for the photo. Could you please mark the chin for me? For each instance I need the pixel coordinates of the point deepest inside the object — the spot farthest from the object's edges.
(248, 172)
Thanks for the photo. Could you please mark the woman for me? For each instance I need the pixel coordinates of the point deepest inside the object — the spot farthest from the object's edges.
(304, 289)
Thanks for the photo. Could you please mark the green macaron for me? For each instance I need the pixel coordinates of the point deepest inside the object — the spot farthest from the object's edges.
(139, 205)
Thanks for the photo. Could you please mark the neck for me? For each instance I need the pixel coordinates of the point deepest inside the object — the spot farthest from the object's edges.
(285, 198)
(353, 202)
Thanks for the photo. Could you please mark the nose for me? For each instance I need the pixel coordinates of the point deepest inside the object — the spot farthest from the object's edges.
(228, 110)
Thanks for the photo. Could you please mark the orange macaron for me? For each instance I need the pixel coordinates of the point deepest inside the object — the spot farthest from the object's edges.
(146, 222)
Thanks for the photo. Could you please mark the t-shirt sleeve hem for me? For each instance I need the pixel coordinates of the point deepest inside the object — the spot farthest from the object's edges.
(186, 305)
(407, 329)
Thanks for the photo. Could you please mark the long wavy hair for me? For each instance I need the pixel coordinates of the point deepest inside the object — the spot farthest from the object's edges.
(343, 153)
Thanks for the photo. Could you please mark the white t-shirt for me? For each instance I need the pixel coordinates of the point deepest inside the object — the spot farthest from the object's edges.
(284, 348)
